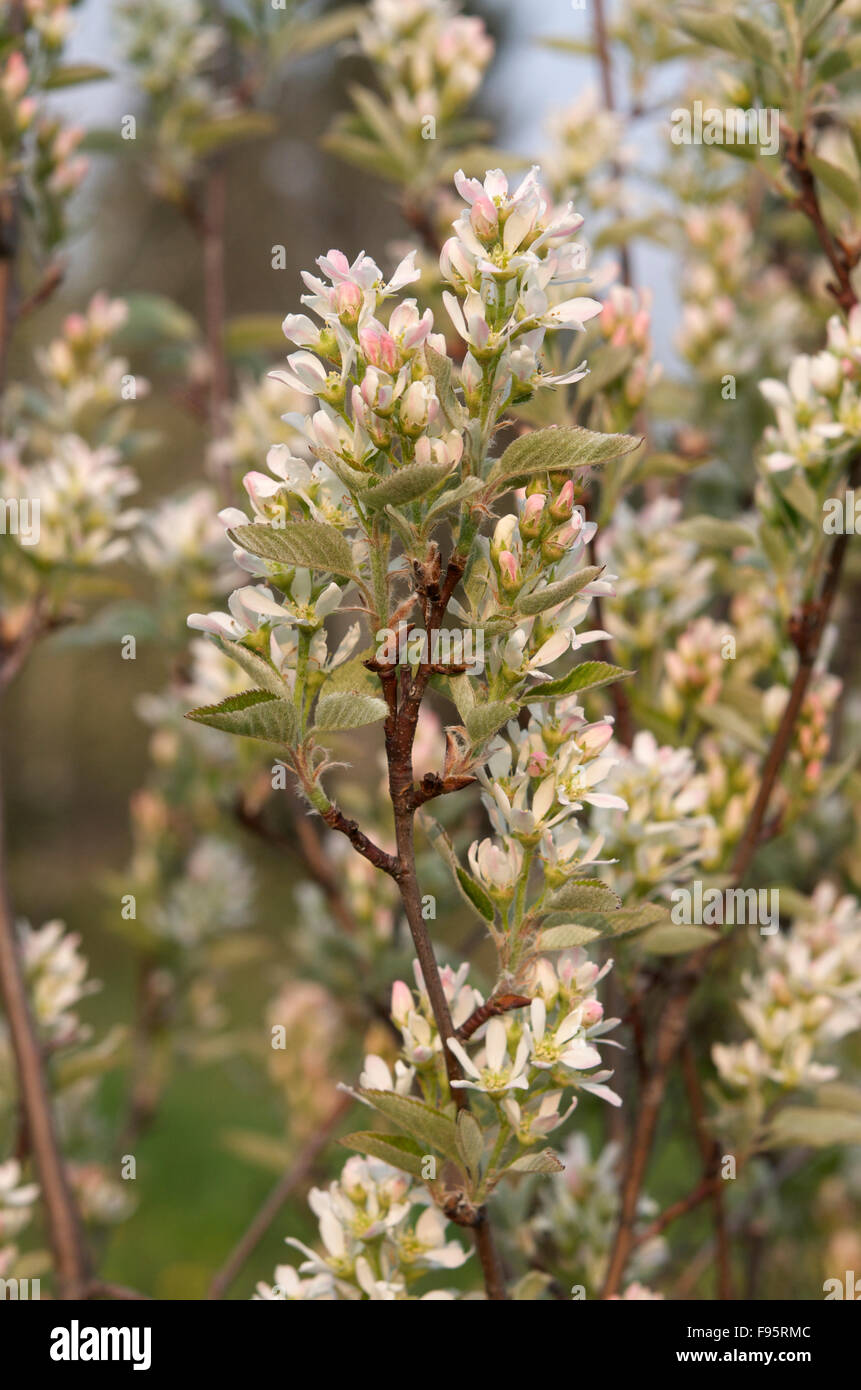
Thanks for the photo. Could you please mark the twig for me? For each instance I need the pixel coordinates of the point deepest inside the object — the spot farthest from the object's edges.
(710, 1154)
(807, 634)
(296, 1174)
(605, 63)
(64, 1230)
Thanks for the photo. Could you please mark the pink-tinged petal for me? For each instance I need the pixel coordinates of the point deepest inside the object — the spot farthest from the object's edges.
(606, 801)
(538, 1015)
(603, 1092)
(574, 311)
(543, 798)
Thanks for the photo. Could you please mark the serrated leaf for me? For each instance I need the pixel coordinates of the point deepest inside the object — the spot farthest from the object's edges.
(671, 940)
(482, 721)
(397, 1149)
(541, 599)
(425, 1124)
(462, 694)
(453, 498)
(353, 676)
(567, 935)
(254, 714)
(557, 449)
(816, 1127)
(470, 1142)
(264, 676)
(589, 675)
(308, 544)
(544, 1162)
(345, 710)
(408, 484)
(586, 894)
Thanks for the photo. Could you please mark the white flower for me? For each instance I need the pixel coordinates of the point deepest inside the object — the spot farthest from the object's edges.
(498, 1074)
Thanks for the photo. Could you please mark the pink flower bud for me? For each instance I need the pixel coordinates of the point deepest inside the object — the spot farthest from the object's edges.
(347, 300)
(509, 572)
(532, 517)
(563, 505)
(379, 347)
(593, 1012)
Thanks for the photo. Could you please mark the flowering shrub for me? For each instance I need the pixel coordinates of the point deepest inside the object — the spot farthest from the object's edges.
(529, 872)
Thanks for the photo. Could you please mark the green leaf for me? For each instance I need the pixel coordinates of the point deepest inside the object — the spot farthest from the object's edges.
(247, 333)
(154, 317)
(254, 714)
(715, 533)
(558, 449)
(713, 30)
(837, 180)
(428, 1126)
(470, 1142)
(397, 1149)
(544, 1162)
(469, 890)
(803, 1125)
(263, 675)
(440, 368)
(530, 1287)
(408, 484)
(589, 675)
(309, 544)
(482, 721)
(541, 599)
(585, 894)
(567, 935)
(353, 676)
(475, 893)
(453, 498)
(728, 721)
(71, 74)
(671, 940)
(207, 136)
(344, 710)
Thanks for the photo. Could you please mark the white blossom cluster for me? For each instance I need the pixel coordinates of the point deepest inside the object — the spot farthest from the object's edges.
(804, 997)
(379, 1233)
(430, 59)
(818, 407)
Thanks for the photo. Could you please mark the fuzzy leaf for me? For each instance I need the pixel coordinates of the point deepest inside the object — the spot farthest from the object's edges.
(558, 449)
(264, 676)
(541, 599)
(566, 935)
(470, 1142)
(482, 721)
(715, 533)
(345, 710)
(397, 1149)
(309, 544)
(406, 485)
(589, 675)
(254, 714)
(475, 893)
(798, 1124)
(583, 895)
(440, 370)
(425, 1124)
(544, 1162)
(672, 940)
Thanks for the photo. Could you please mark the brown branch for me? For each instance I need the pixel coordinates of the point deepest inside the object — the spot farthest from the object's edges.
(711, 1157)
(605, 63)
(295, 1175)
(807, 632)
(841, 258)
(71, 1260)
(120, 1293)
